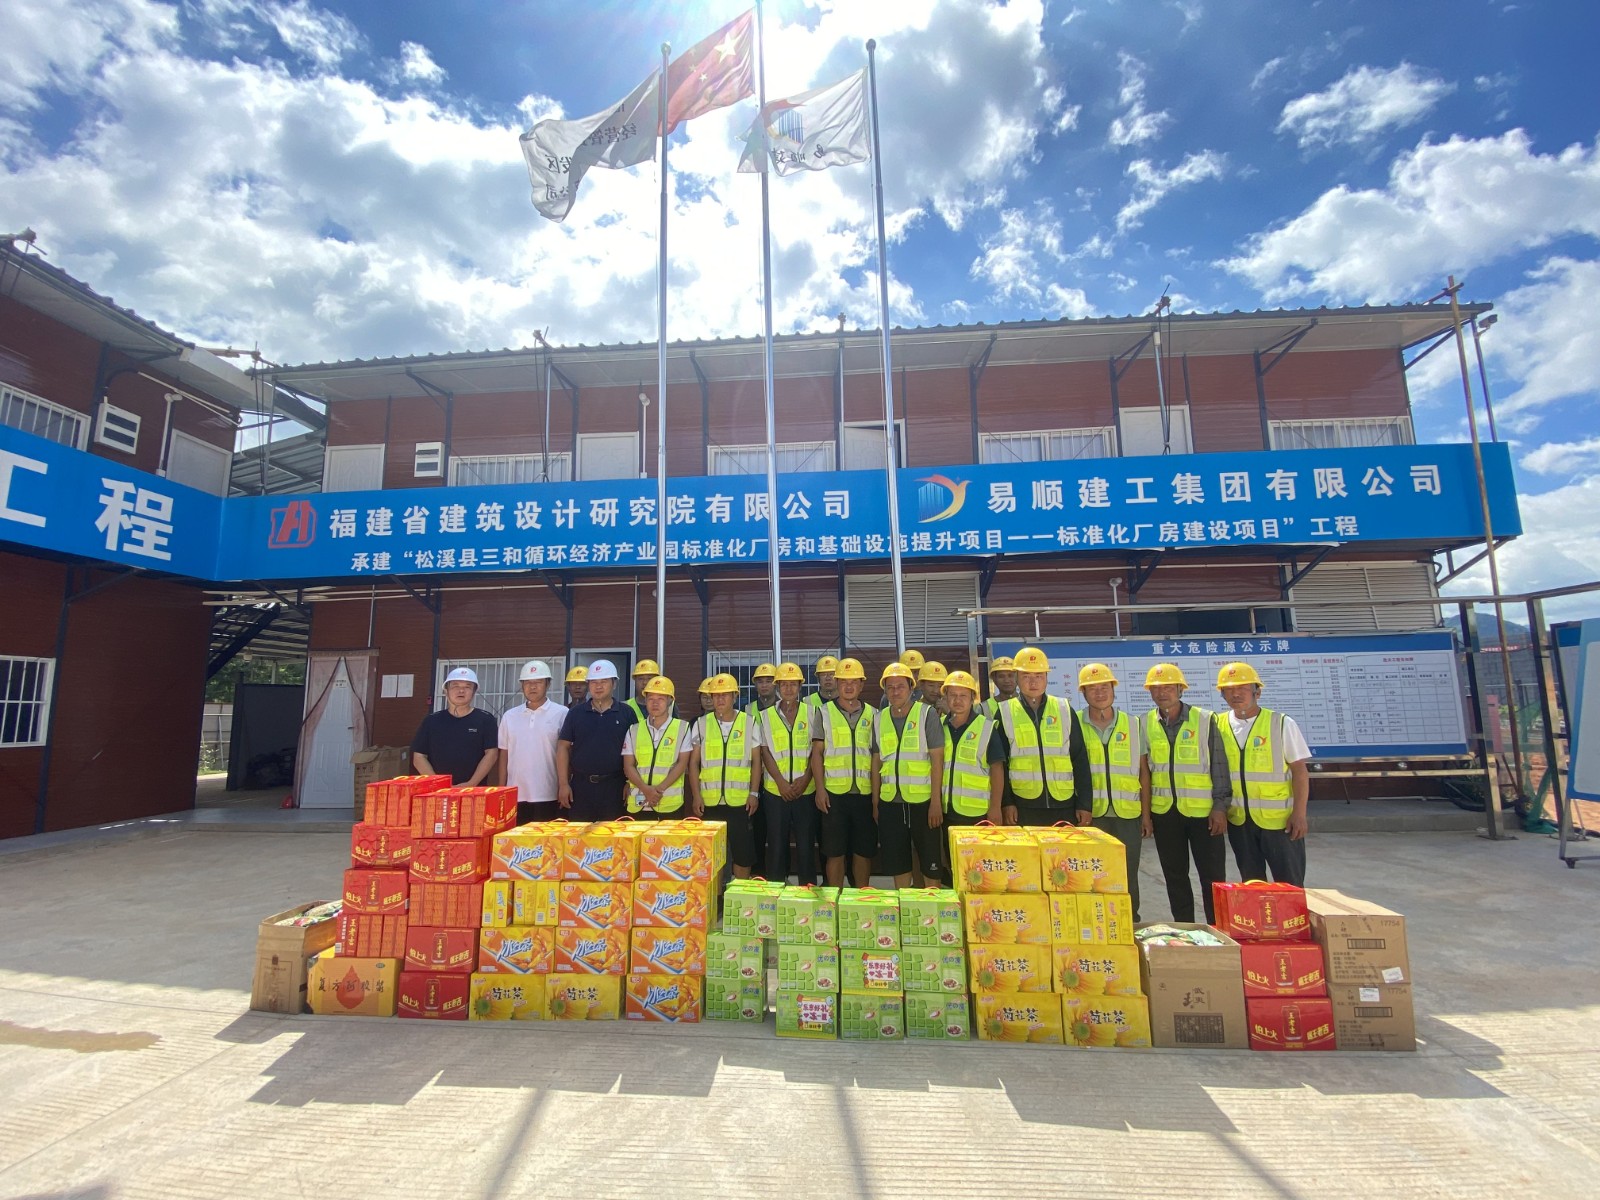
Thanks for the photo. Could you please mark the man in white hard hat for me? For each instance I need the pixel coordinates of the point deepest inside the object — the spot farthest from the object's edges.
(589, 779)
(528, 735)
(457, 740)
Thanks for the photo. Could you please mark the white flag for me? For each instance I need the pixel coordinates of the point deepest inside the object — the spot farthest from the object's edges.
(825, 127)
(559, 152)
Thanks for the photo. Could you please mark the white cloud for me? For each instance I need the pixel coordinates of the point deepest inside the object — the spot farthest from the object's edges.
(1017, 259)
(1361, 105)
(1559, 546)
(49, 44)
(1268, 69)
(1546, 336)
(1135, 125)
(1563, 458)
(1151, 184)
(417, 64)
(322, 37)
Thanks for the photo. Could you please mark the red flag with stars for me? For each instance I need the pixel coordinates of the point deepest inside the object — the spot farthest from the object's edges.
(713, 73)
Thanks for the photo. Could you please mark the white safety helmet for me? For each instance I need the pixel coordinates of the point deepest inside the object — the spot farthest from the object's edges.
(534, 670)
(462, 675)
(602, 668)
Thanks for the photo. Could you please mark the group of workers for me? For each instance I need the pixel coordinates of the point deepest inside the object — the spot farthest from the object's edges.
(862, 783)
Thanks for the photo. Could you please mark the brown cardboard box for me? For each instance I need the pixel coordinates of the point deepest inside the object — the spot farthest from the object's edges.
(1364, 943)
(279, 980)
(1373, 1017)
(1196, 994)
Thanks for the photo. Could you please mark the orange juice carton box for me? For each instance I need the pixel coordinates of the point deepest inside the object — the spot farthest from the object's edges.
(605, 852)
(735, 957)
(1104, 920)
(594, 905)
(874, 1016)
(535, 902)
(497, 904)
(448, 951)
(813, 1015)
(938, 1018)
(750, 907)
(432, 996)
(1088, 971)
(1106, 1020)
(933, 969)
(666, 951)
(376, 893)
(583, 997)
(869, 971)
(808, 914)
(930, 917)
(452, 904)
(450, 860)
(868, 919)
(1003, 918)
(506, 998)
(808, 968)
(673, 904)
(736, 999)
(590, 951)
(986, 859)
(1079, 859)
(528, 852)
(671, 998)
(358, 987)
(1014, 967)
(680, 851)
(380, 846)
(516, 950)
(1019, 1017)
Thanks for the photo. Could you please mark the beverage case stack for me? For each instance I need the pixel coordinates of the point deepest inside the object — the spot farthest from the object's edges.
(1368, 967)
(1281, 968)
(736, 956)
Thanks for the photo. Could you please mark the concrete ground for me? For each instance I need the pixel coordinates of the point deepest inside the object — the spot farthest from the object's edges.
(130, 1067)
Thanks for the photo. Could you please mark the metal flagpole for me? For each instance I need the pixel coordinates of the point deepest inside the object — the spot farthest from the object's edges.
(661, 386)
(773, 572)
(891, 460)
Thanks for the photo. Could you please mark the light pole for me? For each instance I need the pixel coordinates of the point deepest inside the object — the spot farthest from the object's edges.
(1483, 377)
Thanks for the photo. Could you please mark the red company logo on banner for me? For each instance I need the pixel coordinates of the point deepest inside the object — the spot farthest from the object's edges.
(293, 527)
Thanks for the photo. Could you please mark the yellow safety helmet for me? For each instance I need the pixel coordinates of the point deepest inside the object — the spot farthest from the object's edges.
(765, 671)
(789, 672)
(1236, 673)
(1004, 663)
(896, 670)
(1091, 673)
(660, 686)
(705, 685)
(1164, 673)
(827, 665)
(850, 668)
(912, 659)
(933, 671)
(721, 683)
(647, 666)
(1031, 658)
(578, 675)
(960, 679)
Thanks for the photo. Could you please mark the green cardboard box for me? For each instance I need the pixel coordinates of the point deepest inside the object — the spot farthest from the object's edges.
(871, 1017)
(808, 968)
(736, 999)
(735, 956)
(938, 1018)
(812, 1015)
(870, 970)
(750, 907)
(808, 915)
(869, 920)
(931, 917)
(933, 969)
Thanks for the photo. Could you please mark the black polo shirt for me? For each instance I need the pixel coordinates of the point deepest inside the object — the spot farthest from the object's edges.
(455, 745)
(596, 737)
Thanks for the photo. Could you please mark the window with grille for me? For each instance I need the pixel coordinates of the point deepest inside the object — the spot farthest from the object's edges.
(1047, 445)
(470, 470)
(930, 603)
(742, 664)
(498, 685)
(25, 700)
(752, 460)
(29, 413)
(1337, 432)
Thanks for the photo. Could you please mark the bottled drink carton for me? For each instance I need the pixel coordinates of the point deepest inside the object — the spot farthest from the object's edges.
(930, 917)
(671, 998)
(1012, 967)
(1007, 918)
(506, 998)
(516, 950)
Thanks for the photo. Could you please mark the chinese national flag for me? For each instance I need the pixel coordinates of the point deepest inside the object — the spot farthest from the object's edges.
(712, 73)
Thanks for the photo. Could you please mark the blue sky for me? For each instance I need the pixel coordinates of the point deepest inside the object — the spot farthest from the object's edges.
(339, 180)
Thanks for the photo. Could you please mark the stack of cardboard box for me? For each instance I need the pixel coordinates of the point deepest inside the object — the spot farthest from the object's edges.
(516, 942)
(377, 888)
(288, 945)
(933, 965)
(1193, 985)
(1368, 966)
(805, 921)
(736, 955)
(1285, 989)
(674, 908)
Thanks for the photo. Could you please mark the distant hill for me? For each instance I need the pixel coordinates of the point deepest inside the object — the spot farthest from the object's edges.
(1488, 630)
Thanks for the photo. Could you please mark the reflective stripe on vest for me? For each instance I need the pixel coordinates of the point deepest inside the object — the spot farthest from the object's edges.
(790, 746)
(1115, 767)
(653, 760)
(966, 771)
(1261, 780)
(847, 751)
(1186, 774)
(725, 762)
(905, 764)
(1032, 766)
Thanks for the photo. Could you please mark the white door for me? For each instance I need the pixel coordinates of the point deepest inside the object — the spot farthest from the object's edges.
(198, 464)
(608, 456)
(329, 737)
(1141, 431)
(352, 469)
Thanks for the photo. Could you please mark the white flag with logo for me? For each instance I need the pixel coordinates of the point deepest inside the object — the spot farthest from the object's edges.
(559, 152)
(825, 127)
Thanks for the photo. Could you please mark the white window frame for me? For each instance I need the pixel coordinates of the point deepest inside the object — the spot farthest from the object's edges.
(222, 463)
(876, 427)
(12, 400)
(1180, 417)
(994, 448)
(12, 708)
(634, 471)
(499, 690)
(818, 456)
(517, 468)
(427, 460)
(873, 594)
(1291, 435)
(115, 423)
(333, 452)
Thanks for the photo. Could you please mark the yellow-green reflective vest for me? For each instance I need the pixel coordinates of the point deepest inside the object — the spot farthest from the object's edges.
(1180, 772)
(905, 771)
(1039, 754)
(790, 747)
(653, 759)
(847, 751)
(638, 710)
(1114, 760)
(1261, 780)
(966, 767)
(725, 761)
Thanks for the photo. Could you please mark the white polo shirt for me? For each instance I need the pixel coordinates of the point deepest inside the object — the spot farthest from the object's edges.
(528, 740)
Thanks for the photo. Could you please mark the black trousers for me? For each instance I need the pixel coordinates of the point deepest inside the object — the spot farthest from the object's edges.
(1178, 838)
(784, 818)
(1257, 850)
(598, 801)
(1035, 817)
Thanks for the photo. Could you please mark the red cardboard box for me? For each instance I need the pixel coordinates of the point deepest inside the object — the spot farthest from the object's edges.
(375, 892)
(1282, 969)
(451, 860)
(380, 846)
(453, 812)
(1291, 1023)
(433, 997)
(453, 904)
(388, 802)
(451, 951)
(1262, 912)
(362, 936)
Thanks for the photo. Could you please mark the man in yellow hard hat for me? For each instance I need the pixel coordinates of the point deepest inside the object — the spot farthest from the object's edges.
(577, 685)
(766, 687)
(841, 766)
(647, 670)
(974, 776)
(704, 691)
(1189, 791)
(907, 759)
(914, 660)
(1047, 766)
(1117, 765)
(827, 687)
(1003, 678)
(1267, 756)
(723, 774)
(655, 756)
(787, 790)
(930, 678)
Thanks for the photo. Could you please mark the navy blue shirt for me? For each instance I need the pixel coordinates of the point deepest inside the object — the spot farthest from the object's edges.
(596, 737)
(456, 745)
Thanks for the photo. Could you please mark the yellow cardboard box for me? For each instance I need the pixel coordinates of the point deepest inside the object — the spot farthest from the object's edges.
(497, 903)
(1020, 1017)
(999, 919)
(1080, 859)
(507, 998)
(1017, 967)
(994, 860)
(534, 902)
(352, 987)
(1093, 970)
(1106, 1020)
(583, 997)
